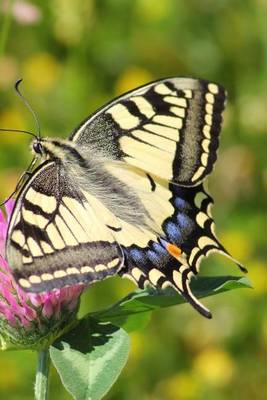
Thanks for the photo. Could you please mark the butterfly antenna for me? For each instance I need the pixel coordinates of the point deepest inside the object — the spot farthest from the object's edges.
(18, 131)
(27, 104)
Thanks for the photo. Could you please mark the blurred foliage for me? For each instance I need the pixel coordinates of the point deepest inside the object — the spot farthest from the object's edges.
(75, 56)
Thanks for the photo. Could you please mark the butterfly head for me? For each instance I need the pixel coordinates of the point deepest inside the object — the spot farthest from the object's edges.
(37, 147)
(50, 148)
(43, 147)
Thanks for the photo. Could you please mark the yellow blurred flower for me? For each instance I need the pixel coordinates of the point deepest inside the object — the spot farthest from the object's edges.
(238, 243)
(72, 19)
(41, 71)
(137, 345)
(215, 366)
(132, 78)
(12, 118)
(154, 10)
(8, 72)
(182, 386)
(258, 277)
(11, 377)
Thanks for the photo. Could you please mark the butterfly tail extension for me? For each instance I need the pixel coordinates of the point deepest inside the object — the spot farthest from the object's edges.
(192, 299)
(224, 252)
(181, 277)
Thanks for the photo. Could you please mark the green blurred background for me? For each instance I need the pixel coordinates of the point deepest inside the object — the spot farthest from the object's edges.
(76, 55)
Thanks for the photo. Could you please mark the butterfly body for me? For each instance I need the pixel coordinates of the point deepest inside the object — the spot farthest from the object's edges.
(124, 194)
(90, 171)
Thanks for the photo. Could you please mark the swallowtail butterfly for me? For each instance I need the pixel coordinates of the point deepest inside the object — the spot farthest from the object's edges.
(124, 194)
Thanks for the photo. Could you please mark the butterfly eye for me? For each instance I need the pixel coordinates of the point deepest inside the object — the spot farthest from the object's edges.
(37, 147)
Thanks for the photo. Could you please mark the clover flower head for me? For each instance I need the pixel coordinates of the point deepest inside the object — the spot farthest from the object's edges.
(30, 320)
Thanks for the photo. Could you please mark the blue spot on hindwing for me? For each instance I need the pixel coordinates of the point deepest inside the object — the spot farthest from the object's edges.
(181, 204)
(137, 255)
(184, 221)
(173, 232)
(159, 248)
(154, 257)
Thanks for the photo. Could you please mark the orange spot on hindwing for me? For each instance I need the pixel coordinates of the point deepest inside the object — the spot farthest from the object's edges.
(174, 250)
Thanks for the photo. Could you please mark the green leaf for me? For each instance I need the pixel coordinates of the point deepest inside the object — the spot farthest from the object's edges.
(126, 313)
(90, 358)
(130, 322)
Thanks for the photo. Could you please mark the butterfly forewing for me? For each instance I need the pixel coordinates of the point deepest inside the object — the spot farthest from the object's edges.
(55, 238)
(168, 128)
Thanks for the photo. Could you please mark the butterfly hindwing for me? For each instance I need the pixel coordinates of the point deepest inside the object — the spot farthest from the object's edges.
(55, 238)
(168, 128)
(174, 257)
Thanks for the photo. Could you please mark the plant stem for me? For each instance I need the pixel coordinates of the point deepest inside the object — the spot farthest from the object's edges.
(41, 380)
(5, 27)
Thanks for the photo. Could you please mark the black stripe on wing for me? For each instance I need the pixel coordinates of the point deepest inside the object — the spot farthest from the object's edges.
(82, 264)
